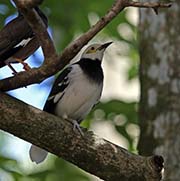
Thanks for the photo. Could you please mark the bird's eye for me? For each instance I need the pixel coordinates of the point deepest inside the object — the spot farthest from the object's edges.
(91, 50)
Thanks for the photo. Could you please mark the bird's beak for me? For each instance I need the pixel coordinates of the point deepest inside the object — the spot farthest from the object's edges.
(104, 46)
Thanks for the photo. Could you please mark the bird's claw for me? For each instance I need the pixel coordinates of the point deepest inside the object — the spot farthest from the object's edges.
(26, 67)
(76, 126)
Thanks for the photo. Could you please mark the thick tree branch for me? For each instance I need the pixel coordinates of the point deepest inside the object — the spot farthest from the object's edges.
(52, 63)
(91, 153)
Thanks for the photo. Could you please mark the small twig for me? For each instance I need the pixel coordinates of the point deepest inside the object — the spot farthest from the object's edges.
(52, 64)
(155, 6)
(148, 4)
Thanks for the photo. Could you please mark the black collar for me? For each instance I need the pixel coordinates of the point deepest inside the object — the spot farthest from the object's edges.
(92, 68)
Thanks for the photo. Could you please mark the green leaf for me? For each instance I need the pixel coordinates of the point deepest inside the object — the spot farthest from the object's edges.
(129, 110)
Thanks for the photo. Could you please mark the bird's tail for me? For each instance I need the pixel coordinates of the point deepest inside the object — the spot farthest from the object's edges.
(37, 154)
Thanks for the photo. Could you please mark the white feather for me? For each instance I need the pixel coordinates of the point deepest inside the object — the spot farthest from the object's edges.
(23, 42)
(37, 154)
(57, 97)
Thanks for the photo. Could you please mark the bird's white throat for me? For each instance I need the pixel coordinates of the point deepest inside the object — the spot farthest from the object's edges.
(94, 56)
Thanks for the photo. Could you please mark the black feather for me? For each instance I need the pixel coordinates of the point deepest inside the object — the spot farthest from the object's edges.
(92, 68)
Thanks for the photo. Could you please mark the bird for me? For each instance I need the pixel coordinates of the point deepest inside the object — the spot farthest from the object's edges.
(75, 92)
(18, 41)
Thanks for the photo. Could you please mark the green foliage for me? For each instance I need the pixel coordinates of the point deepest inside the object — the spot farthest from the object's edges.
(111, 109)
(8, 165)
(68, 19)
(133, 70)
(59, 170)
(120, 107)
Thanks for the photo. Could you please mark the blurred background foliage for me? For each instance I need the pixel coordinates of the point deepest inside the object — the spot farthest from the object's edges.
(116, 115)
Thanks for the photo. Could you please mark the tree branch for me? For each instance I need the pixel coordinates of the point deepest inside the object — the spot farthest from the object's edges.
(91, 153)
(149, 4)
(53, 64)
(38, 28)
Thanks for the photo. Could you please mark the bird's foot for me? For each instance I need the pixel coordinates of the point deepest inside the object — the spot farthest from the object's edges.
(14, 72)
(77, 126)
(26, 67)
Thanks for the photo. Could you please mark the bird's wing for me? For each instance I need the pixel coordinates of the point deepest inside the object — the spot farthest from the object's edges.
(17, 33)
(13, 33)
(58, 89)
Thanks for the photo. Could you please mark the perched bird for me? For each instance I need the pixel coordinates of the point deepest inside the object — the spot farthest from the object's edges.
(18, 41)
(75, 91)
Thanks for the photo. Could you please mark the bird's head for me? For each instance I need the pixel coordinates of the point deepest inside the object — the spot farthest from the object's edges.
(95, 51)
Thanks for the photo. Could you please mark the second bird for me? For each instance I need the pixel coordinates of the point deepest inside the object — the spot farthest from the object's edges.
(18, 41)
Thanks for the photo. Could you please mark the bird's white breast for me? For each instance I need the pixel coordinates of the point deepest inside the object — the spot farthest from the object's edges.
(79, 96)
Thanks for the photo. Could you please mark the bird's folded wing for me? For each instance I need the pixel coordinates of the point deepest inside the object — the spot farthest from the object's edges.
(57, 91)
(13, 33)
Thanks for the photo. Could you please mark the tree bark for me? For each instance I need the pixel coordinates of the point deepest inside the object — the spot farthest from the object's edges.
(91, 153)
(160, 87)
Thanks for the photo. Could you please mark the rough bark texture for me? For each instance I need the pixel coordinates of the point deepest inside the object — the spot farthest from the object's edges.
(160, 87)
(91, 153)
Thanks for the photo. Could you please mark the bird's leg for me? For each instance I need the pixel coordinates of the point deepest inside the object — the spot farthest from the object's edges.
(75, 125)
(12, 68)
(26, 67)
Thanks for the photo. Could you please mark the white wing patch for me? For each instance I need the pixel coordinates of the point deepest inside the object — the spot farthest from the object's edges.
(60, 84)
(23, 42)
(51, 97)
(57, 97)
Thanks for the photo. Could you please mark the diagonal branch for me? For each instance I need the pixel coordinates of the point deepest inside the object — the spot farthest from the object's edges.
(149, 4)
(53, 64)
(91, 153)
